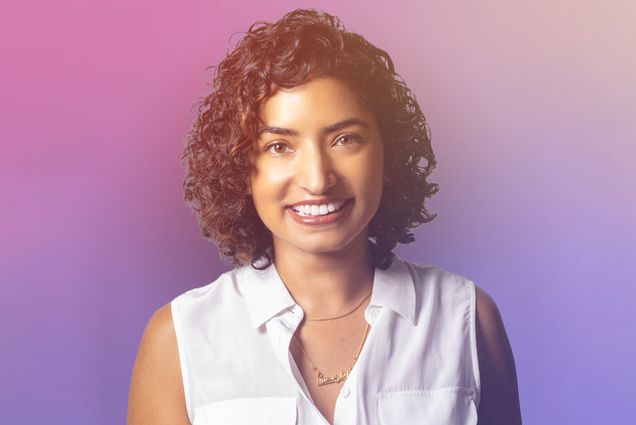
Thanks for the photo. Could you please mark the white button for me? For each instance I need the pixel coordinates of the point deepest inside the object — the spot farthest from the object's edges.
(345, 392)
(372, 314)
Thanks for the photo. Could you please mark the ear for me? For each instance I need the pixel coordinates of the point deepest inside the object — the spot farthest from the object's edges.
(248, 185)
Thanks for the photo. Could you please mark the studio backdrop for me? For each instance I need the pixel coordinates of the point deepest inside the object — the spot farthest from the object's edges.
(531, 107)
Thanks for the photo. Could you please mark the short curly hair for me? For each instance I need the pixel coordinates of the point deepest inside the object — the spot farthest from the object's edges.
(302, 45)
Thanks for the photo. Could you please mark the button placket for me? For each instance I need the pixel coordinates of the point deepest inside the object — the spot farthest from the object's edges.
(296, 317)
(346, 404)
(280, 334)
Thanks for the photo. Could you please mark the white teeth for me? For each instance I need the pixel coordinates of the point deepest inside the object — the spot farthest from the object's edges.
(318, 209)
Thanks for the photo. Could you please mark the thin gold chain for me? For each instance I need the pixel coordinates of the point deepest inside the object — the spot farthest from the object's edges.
(343, 315)
(342, 375)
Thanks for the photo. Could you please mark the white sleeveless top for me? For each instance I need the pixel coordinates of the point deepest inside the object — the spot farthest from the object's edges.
(419, 362)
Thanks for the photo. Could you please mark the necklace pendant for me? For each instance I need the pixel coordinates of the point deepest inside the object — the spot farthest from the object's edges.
(334, 379)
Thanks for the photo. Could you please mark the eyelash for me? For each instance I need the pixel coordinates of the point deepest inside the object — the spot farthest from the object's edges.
(268, 148)
(355, 137)
(271, 145)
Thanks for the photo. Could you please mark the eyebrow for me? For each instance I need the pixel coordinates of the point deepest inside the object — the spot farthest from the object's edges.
(329, 129)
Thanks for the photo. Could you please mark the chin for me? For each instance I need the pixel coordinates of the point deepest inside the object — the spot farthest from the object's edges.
(320, 248)
(324, 245)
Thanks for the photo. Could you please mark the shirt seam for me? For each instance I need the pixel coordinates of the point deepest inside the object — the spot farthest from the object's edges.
(424, 392)
(473, 338)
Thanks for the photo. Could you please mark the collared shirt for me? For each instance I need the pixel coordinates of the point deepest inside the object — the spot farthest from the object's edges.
(419, 361)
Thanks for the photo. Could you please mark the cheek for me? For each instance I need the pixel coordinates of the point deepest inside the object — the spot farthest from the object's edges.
(268, 187)
(372, 173)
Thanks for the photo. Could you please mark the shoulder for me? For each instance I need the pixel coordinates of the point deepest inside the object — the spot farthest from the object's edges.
(435, 279)
(224, 281)
(499, 401)
(499, 398)
(159, 332)
(209, 299)
(159, 328)
(156, 391)
(492, 341)
(488, 317)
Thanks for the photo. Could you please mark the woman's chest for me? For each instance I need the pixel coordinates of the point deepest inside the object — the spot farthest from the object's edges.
(397, 379)
(324, 354)
(443, 406)
(322, 387)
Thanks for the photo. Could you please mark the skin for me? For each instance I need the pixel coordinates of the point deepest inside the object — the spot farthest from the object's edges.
(156, 390)
(499, 403)
(327, 269)
(315, 262)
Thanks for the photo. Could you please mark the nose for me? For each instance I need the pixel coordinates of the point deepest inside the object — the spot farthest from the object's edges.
(314, 170)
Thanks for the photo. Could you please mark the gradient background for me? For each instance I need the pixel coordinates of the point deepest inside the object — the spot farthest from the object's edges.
(532, 108)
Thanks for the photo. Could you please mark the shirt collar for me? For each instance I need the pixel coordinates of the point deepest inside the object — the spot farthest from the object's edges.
(394, 288)
(267, 296)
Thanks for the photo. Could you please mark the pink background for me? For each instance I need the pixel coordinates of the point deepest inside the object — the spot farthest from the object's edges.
(531, 106)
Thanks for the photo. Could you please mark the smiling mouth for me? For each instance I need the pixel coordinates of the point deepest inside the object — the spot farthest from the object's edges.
(319, 210)
(320, 214)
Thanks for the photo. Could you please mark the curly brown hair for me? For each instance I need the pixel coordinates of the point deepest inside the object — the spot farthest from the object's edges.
(302, 45)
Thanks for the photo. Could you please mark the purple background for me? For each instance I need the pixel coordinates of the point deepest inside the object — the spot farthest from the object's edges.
(531, 106)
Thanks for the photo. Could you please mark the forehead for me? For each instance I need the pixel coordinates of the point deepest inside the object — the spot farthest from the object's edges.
(319, 101)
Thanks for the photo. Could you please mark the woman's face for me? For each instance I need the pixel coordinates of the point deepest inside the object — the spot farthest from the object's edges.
(318, 168)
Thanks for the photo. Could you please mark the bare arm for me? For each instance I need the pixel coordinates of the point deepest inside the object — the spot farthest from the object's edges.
(156, 390)
(499, 403)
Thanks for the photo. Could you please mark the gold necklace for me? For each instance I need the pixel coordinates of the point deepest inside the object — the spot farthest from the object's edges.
(343, 315)
(341, 376)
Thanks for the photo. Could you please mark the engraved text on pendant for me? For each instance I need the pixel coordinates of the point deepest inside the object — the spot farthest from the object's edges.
(339, 377)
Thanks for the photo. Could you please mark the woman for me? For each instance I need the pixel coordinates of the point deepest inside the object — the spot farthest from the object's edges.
(304, 166)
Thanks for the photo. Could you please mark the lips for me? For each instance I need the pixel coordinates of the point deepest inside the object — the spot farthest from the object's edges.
(330, 217)
(319, 201)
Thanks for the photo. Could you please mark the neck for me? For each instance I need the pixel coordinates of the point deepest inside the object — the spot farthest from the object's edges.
(326, 284)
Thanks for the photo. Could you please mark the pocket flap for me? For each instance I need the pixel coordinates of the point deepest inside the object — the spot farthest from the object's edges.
(444, 406)
(248, 411)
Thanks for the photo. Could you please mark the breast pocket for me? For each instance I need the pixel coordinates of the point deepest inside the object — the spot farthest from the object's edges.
(248, 411)
(444, 406)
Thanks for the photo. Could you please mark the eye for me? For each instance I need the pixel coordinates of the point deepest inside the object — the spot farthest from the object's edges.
(347, 139)
(277, 148)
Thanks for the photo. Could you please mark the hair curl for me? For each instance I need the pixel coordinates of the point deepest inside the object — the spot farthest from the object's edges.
(300, 46)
